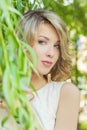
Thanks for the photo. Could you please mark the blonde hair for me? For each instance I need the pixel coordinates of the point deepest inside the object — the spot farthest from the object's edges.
(29, 25)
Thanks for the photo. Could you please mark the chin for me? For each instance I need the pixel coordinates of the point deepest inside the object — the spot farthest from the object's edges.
(44, 73)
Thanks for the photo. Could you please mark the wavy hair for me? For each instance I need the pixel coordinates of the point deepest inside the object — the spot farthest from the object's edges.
(29, 25)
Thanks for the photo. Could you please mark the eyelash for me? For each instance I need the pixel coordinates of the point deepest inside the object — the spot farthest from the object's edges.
(44, 42)
(41, 42)
(57, 46)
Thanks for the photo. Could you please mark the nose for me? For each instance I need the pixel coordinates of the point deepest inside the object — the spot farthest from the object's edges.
(50, 51)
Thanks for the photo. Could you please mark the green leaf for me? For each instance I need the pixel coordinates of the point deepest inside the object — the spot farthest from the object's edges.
(4, 121)
(30, 51)
(14, 11)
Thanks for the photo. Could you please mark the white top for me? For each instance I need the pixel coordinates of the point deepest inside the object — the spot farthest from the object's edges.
(45, 104)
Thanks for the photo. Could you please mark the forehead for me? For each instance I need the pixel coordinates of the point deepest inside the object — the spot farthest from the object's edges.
(47, 30)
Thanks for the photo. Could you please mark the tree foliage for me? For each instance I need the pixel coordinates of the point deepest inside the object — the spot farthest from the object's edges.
(15, 68)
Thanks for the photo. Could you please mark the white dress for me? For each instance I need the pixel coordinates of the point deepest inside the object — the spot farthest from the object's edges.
(45, 104)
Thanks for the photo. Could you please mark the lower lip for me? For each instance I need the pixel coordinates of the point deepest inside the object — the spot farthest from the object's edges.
(47, 64)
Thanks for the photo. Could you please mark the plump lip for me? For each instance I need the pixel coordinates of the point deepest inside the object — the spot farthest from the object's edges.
(47, 63)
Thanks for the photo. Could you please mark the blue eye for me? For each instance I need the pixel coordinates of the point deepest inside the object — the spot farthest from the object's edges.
(41, 42)
(57, 46)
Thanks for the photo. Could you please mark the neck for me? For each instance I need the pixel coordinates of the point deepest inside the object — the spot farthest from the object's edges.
(38, 81)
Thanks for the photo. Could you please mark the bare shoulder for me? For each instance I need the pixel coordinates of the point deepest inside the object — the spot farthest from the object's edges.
(68, 109)
(70, 90)
(70, 87)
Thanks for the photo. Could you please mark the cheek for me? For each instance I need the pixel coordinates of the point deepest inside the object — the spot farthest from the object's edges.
(39, 51)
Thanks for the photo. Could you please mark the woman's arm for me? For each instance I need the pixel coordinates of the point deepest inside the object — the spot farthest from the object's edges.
(68, 109)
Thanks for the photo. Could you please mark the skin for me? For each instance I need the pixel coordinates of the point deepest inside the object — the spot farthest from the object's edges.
(46, 47)
(68, 110)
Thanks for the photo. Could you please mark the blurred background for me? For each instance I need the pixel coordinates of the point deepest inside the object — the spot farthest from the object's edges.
(74, 14)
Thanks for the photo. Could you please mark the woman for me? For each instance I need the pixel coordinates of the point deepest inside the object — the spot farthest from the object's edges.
(56, 101)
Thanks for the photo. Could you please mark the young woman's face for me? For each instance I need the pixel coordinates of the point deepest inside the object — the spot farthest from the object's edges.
(46, 47)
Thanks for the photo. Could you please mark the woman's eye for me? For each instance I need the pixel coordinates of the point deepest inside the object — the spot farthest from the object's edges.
(41, 42)
(57, 46)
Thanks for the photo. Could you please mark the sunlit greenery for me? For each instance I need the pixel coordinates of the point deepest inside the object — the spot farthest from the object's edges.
(15, 67)
(82, 126)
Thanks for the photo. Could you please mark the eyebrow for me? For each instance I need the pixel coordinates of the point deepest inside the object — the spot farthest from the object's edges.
(47, 38)
(44, 37)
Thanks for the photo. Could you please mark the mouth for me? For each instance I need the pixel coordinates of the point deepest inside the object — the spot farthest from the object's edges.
(47, 63)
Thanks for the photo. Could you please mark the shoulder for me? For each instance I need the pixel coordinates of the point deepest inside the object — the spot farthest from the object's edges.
(69, 106)
(70, 95)
(70, 90)
(65, 91)
(67, 88)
